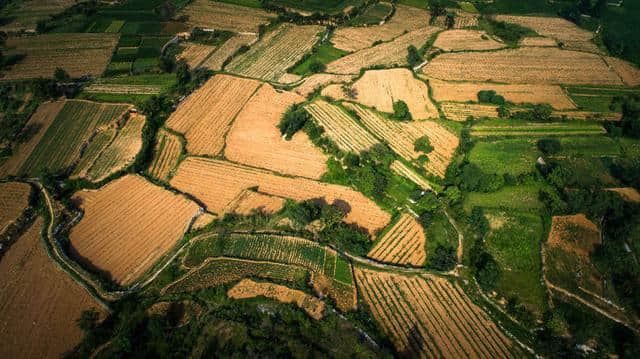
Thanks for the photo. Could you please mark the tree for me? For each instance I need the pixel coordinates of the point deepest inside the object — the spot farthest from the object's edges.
(401, 111)
(293, 120)
(490, 96)
(504, 112)
(316, 66)
(450, 20)
(349, 91)
(478, 221)
(443, 258)
(549, 146)
(413, 57)
(60, 75)
(422, 144)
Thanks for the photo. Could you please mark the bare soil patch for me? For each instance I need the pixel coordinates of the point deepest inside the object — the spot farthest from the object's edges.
(40, 303)
(128, 225)
(205, 116)
(255, 140)
(217, 183)
(628, 193)
(530, 65)
(404, 19)
(248, 288)
(463, 40)
(538, 41)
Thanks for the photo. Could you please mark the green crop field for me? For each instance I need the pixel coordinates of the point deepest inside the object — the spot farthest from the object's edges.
(598, 99)
(373, 15)
(512, 156)
(594, 146)
(62, 141)
(514, 241)
(521, 197)
(324, 54)
(440, 232)
(519, 128)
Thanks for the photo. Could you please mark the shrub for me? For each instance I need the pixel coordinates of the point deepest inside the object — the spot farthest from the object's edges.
(401, 111)
(316, 67)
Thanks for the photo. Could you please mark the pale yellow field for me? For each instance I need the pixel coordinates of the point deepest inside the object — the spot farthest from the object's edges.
(538, 41)
(320, 80)
(460, 40)
(217, 15)
(628, 72)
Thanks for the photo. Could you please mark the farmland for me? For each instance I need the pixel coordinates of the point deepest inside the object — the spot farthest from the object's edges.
(165, 155)
(24, 15)
(40, 120)
(254, 139)
(385, 54)
(404, 243)
(275, 52)
(531, 65)
(514, 128)
(129, 202)
(319, 80)
(380, 88)
(401, 137)
(429, 316)
(512, 156)
(78, 54)
(248, 288)
(518, 94)
(357, 38)
(194, 174)
(62, 142)
(41, 323)
(14, 198)
(226, 50)
(628, 72)
(205, 116)
(340, 127)
(216, 15)
(249, 201)
(461, 40)
(194, 54)
(462, 19)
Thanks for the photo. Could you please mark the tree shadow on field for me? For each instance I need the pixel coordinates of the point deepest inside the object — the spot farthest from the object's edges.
(417, 344)
(87, 265)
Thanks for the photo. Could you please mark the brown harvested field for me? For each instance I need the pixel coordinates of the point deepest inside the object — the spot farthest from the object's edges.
(249, 201)
(40, 120)
(194, 54)
(217, 183)
(248, 288)
(460, 112)
(538, 41)
(166, 155)
(78, 54)
(220, 55)
(205, 116)
(380, 88)
(275, 52)
(255, 140)
(463, 19)
(403, 170)
(404, 19)
(628, 72)
(468, 91)
(320, 80)
(627, 193)
(340, 127)
(128, 225)
(403, 244)
(40, 303)
(401, 137)
(462, 40)
(26, 14)
(121, 152)
(530, 65)
(388, 53)
(221, 16)
(14, 198)
(430, 317)
(553, 27)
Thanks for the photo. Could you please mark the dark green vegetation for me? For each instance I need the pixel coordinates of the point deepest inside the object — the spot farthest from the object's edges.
(372, 15)
(401, 111)
(315, 62)
(490, 96)
(331, 7)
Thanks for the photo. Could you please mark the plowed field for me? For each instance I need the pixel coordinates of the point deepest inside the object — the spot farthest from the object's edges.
(165, 155)
(380, 88)
(319, 80)
(403, 244)
(205, 116)
(401, 137)
(462, 19)
(627, 193)
(40, 303)
(194, 54)
(217, 59)
(404, 19)
(217, 183)
(468, 91)
(217, 15)
(389, 53)
(429, 317)
(530, 65)
(275, 52)
(14, 198)
(255, 140)
(78, 54)
(340, 127)
(128, 225)
(248, 288)
(460, 40)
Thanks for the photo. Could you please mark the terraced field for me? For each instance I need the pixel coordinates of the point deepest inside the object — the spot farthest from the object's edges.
(403, 244)
(430, 317)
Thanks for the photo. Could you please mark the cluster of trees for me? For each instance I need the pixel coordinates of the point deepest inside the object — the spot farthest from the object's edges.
(490, 96)
(574, 11)
(413, 56)
(401, 111)
(484, 267)
(293, 120)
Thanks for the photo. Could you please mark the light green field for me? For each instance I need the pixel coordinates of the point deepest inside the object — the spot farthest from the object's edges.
(512, 156)
(521, 197)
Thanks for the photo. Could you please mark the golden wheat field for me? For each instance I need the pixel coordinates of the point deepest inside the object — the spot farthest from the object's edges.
(217, 15)
(128, 225)
(403, 244)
